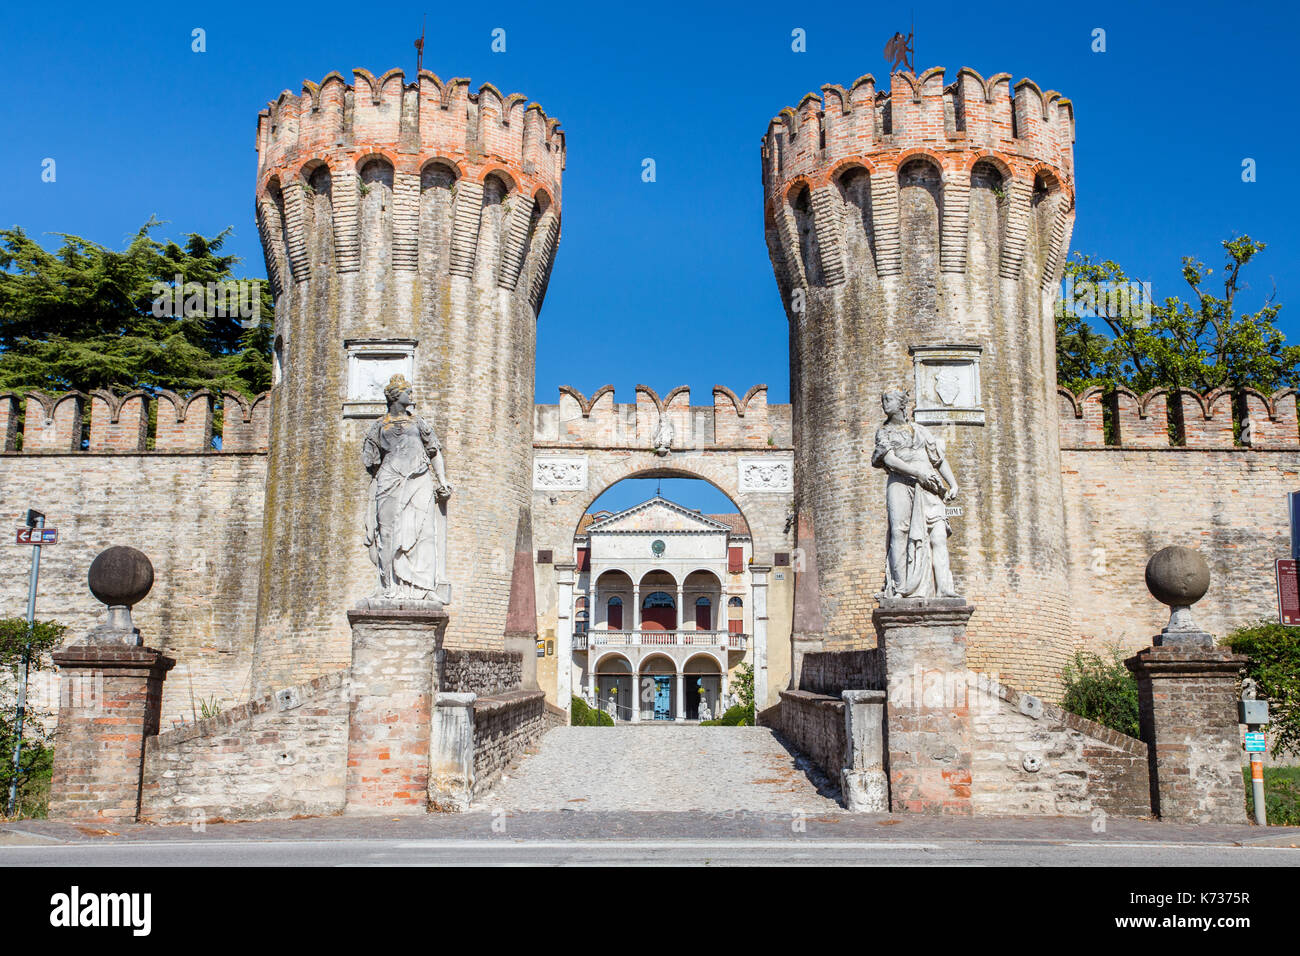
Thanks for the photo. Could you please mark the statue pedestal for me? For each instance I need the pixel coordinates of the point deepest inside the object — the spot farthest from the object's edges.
(927, 712)
(1187, 711)
(393, 682)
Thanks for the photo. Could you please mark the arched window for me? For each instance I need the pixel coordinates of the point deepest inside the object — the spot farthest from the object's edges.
(736, 616)
(659, 599)
(659, 612)
(580, 620)
(614, 614)
(703, 614)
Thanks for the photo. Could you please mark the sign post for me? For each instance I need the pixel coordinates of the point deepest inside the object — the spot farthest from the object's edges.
(1254, 714)
(35, 523)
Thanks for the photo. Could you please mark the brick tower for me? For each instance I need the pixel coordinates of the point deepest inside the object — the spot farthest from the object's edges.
(407, 228)
(918, 236)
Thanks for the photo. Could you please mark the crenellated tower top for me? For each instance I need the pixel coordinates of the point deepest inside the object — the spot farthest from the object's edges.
(411, 125)
(1020, 127)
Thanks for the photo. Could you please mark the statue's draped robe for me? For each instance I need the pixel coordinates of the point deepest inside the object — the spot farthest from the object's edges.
(397, 452)
(913, 509)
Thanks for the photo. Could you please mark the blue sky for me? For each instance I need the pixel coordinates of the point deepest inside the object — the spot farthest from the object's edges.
(138, 124)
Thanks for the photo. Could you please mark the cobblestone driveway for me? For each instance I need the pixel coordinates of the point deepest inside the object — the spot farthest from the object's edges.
(659, 768)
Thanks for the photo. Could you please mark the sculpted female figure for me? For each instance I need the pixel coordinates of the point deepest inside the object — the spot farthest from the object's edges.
(405, 521)
(920, 484)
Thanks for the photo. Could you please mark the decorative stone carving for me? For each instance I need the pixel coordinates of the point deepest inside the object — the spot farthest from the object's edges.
(372, 363)
(560, 474)
(920, 485)
(406, 514)
(1179, 577)
(664, 435)
(766, 474)
(947, 384)
(119, 577)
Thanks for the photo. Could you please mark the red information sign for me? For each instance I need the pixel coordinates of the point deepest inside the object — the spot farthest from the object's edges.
(1288, 592)
(37, 536)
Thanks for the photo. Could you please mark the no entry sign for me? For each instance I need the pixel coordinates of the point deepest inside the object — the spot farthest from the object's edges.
(1288, 592)
(48, 536)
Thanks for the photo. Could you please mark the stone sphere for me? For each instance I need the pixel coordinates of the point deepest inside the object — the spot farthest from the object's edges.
(1178, 577)
(121, 576)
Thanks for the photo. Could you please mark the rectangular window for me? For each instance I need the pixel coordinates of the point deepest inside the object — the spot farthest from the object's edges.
(736, 626)
(616, 617)
(735, 560)
(584, 559)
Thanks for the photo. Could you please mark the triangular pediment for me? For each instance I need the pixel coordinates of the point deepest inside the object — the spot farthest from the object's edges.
(658, 515)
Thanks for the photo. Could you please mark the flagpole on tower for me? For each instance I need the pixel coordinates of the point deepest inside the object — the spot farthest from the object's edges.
(419, 49)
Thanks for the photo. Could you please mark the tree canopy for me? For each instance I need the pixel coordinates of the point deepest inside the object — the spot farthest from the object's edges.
(86, 317)
(1199, 345)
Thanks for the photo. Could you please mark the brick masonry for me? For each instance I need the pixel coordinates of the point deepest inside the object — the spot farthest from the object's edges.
(392, 685)
(1187, 701)
(480, 672)
(814, 723)
(100, 742)
(281, 756)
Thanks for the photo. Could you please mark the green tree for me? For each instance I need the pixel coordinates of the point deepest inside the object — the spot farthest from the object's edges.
(82, 317)
(1102, 690)
(33, 772)
(1199, 345)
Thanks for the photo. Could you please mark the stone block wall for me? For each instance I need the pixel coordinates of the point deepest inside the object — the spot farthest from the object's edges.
(282, 755)
(814, 724)
(481, 672)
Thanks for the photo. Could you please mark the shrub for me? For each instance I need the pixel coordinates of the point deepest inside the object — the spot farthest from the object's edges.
(1281, 796)
(34, 771)
(1274, 652)
(736, 716)
(1102, 690)
(583, 715)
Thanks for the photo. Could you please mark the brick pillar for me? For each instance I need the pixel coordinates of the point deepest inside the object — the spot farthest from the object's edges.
(1187, 705)
(393, 682)
(927, 722)
(110, 701)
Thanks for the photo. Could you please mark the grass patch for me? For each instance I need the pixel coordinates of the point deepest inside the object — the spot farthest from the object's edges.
(1281, 795)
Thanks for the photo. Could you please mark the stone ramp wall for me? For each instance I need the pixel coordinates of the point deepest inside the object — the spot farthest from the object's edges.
(481, 672)
(814, 723)
(1083, 767)
(505, 725)
(282, 755)
(1080, 767)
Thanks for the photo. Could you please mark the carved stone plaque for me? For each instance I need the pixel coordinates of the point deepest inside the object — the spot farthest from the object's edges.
(371, 364)
(947, 388)
(766, 474)
(560, 474)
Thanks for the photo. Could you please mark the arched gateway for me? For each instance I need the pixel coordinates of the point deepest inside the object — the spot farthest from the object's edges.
(740, 445)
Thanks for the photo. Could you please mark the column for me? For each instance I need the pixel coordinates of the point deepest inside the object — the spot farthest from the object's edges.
(636, 608)
(758, 579)
(593, 602)
(681, 696)
(564, 604)
(681, 610)
(636, 691)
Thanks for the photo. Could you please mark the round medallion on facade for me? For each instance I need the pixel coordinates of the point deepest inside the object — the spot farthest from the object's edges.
(658, 547)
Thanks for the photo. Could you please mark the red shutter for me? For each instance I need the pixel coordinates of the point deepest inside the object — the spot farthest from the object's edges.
(735, 560)
(584, 559)
(616, 617)
(736, 627)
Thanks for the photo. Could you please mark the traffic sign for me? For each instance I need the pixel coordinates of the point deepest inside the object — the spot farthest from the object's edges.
(1255, 742)
(37, 536)
(1288, 592)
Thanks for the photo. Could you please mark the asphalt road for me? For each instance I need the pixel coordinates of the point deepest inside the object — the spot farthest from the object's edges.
(365, 843)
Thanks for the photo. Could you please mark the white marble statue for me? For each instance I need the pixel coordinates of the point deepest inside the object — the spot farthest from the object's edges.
(664, 435)
(920, 484)
(406, 516)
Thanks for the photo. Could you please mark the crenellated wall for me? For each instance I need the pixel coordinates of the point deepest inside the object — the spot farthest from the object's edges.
(1213, 492)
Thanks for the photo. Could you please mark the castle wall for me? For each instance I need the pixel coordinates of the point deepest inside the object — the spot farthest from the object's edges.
(198, 516)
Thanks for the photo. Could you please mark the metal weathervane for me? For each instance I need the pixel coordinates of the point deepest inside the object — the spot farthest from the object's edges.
(900, 51)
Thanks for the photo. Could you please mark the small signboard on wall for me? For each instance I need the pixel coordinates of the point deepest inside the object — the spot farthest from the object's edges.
(1288, 592)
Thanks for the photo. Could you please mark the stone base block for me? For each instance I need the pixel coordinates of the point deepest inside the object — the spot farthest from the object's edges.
(392, 684)
(451, 784)
(928, 722)
(111, 701)
(1187, 710)
(865, 791)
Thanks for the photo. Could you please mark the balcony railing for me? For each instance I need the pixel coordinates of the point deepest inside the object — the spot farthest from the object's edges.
(732, 641)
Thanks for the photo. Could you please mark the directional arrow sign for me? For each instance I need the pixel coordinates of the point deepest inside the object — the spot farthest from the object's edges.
(37, 536)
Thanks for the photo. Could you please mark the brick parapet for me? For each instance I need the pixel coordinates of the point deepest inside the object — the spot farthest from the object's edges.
(1208, 420)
